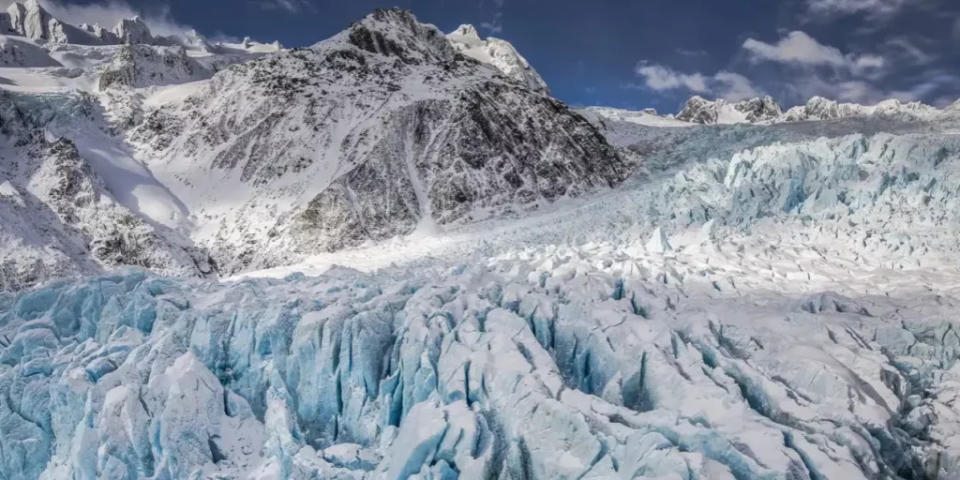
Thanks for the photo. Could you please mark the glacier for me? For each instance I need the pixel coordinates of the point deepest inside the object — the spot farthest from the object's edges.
(461, 277)
(563, 361)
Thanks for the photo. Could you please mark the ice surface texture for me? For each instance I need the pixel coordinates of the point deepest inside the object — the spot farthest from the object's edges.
(535, 366)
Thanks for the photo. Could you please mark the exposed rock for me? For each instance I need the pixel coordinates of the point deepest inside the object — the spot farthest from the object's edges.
(755, 110)
(31, 20)
(699, 110)
(145, 65)
(105, 36)
(759, 109)
(132, 31)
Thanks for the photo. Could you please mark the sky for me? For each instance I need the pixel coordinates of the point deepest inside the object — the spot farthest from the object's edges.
(637, 53)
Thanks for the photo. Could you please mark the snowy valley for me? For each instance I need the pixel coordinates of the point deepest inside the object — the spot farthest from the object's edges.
(393, 254)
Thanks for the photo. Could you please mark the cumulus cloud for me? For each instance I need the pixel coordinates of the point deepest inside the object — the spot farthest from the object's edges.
(660, 78)
(798, 48)
(797, 67)
(723, 84)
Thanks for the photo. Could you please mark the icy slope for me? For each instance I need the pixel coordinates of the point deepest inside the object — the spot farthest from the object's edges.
(373, 133)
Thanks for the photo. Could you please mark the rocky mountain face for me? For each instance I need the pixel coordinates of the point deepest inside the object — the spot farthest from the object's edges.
(383, 129)
(136, 66)
(365, 136)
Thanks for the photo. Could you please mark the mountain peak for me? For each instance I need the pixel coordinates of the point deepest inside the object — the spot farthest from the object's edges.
(29, 19)
(466, 31)
(753, 110)
(499, 53)
(397, 32)
(133, 31)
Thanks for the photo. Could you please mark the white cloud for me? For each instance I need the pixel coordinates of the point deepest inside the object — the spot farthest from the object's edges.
(495, 25)
(838, 8)
(735, 87)
(906, 50)
(660, 78)
(290, 6)
(723, 84)
(798, 48)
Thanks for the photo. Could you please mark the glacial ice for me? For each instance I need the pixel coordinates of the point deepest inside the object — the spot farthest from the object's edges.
(547, 365)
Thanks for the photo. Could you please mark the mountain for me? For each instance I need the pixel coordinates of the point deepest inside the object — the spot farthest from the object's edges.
(699, 110)
(29, 19)
(371, 134)
(765, 110)
(819, 108)
(59, 217)
(261, 159)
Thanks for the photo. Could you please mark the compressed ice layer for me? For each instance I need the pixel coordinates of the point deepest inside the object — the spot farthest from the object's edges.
(544, 367)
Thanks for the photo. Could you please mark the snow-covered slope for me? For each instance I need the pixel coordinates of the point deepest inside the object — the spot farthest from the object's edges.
(373, 133)
(60, 217)
(260, 156)
(17, 52)
(699, 110)
(647, 117)
(499, 53)
(29, 19)
(766, 111)
(819, 108)
(145, 66)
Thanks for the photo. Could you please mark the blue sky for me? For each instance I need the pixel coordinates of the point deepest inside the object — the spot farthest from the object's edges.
(645, 53)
